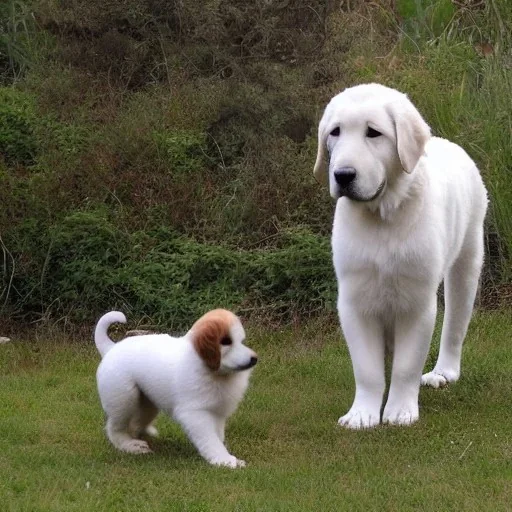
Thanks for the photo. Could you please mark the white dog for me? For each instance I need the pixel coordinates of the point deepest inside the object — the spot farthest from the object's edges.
(410, 211)
(199, 379)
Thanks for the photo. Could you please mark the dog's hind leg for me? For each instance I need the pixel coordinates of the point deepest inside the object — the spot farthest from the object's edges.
(460, 287)
(144, 416)
(121, 409)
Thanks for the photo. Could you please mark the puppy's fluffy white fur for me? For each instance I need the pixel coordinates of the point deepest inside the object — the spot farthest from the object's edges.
(409, 214)
(198, 379)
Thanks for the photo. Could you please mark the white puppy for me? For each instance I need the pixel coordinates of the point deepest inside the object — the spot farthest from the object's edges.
(199, 379)
(410, 211)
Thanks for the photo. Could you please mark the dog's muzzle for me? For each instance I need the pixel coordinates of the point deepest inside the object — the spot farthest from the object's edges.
(344, 178)
(250, 364)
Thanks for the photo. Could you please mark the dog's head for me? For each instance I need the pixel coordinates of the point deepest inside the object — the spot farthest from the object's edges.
(218, 338)
(367, 136)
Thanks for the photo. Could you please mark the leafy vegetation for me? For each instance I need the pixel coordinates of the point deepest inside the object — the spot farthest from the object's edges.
(138, 136)
(89, 265)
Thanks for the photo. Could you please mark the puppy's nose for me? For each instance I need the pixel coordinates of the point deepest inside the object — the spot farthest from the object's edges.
(253, 361)
(344, 176)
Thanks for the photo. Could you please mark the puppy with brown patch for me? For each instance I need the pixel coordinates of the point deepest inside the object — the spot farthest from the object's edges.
(198, 379)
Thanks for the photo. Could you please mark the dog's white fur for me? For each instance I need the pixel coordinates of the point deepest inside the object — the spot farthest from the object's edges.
(411, 217)
(198, 379)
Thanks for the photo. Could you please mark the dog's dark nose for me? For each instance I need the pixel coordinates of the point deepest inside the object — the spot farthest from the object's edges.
(253, 361)
(344, 176)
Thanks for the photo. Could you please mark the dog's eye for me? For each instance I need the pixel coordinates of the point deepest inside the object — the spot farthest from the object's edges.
(335, 132)
(372, 133)
(226, 341)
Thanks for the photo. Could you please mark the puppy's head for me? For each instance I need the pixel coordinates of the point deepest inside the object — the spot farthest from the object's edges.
(218, 338)
(367, 136)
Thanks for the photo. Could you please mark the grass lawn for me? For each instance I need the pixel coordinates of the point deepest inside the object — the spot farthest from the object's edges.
(55, 457)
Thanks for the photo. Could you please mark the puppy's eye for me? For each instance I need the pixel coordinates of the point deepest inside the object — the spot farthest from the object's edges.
(372, 133)
(226, 341)
(335, 132)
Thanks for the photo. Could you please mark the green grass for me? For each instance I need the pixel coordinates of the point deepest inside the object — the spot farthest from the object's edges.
(458, 457)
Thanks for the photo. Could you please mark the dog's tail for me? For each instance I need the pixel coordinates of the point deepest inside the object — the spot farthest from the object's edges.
(103, 342)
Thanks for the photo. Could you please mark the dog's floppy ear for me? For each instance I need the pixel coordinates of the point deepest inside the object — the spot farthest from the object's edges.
(412, 133)
(322, 158)
(206, 336)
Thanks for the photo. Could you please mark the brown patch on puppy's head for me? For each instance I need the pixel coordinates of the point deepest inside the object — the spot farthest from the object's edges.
(207, 334)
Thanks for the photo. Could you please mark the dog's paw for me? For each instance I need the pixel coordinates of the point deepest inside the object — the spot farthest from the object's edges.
(439, 378)
(402, 415)
(152, 431)
(136, 446)
(232, 463)
(360, 417)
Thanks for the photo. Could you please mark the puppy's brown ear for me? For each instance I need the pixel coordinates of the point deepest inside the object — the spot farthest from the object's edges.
(207, 334)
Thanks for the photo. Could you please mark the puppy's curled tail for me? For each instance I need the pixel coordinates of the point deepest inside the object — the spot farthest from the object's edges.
(103, 342)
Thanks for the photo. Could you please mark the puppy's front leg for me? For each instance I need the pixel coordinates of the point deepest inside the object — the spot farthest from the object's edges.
(202, 428)
(413, 333)
(365, 339)
(221, 428)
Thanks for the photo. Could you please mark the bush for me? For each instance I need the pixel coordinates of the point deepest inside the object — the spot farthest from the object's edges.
(17, 142)
(86, 266)
(183, 152)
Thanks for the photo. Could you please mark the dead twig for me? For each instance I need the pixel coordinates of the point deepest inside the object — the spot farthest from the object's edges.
(466, 449)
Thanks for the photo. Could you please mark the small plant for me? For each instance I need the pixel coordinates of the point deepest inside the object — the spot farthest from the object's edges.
(183, 152)
(15, 46)
(425, 18)
(17, 140)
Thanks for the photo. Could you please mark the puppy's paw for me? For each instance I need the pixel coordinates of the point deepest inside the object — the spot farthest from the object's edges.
(232, 463)
(439, 378)
(360, 417)
(402, 415)
(136, 446)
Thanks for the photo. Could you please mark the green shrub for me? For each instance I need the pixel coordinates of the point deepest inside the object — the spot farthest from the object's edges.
(88, 265)
(183, 152)
(297, 278)
(17, 141)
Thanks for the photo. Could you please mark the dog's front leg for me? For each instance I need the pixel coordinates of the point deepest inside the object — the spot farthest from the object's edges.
(202, 428)
(365, 339)
(413, 334)
(221, 428)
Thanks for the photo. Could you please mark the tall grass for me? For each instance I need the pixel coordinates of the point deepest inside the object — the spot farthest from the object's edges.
(472, 48)
(456, 65)
(15, 48)
(490, 113)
